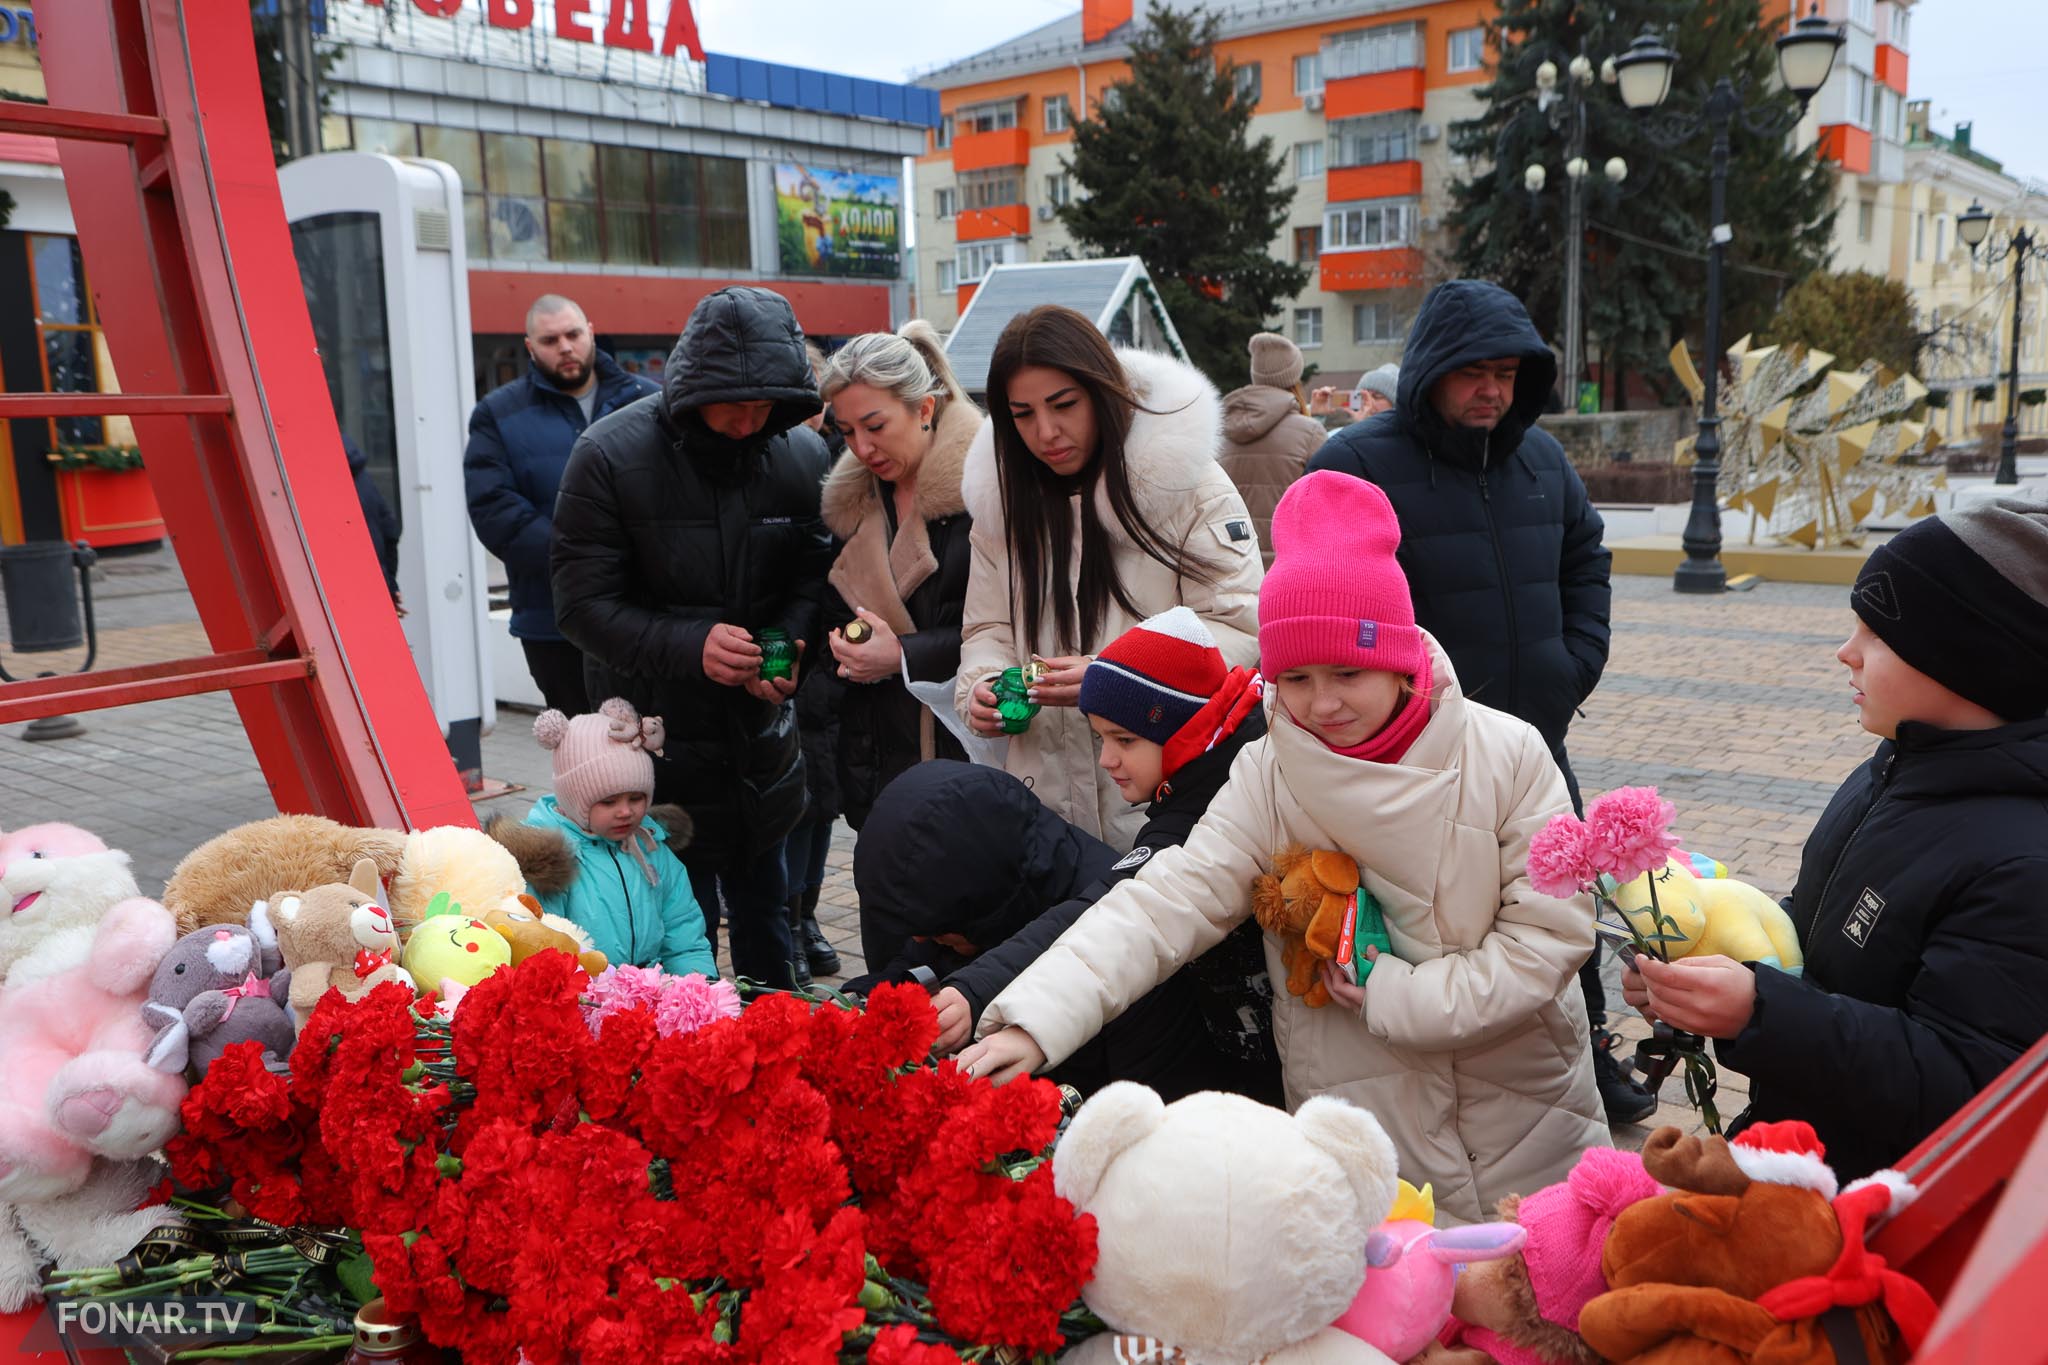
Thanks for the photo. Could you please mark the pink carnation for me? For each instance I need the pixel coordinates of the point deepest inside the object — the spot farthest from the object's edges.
(1628, 832)
(1557, 858)
(620, 988)
(690, 1002)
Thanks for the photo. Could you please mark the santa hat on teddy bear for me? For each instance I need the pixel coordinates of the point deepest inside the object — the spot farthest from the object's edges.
(1791, 1153)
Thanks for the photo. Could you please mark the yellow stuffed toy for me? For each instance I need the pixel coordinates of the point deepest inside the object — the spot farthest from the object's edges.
(1713, 913)
(449, 944)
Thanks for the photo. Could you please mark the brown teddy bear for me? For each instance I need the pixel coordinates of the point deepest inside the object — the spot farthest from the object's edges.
(337, 935)
(1717, 1272)
(1302, 903)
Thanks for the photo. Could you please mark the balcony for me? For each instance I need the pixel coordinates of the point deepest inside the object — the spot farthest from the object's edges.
(1387, 180)
(1847, 146)
(1387, 267)
(1384, 92)
(964, 295)
(1891, 68)
(982, 225)
(986, 151)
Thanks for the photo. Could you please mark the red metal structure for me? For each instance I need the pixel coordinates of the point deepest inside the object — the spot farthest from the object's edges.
(166, 157)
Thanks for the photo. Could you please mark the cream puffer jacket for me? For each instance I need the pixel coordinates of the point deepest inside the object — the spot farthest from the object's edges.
(1472, 1048)
(1183, 495)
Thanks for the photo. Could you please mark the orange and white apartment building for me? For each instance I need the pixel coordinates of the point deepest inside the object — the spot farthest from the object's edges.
(1360, 95)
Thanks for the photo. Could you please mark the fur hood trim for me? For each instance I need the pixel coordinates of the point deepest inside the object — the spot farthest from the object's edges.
(1175, 436)
(850, 489)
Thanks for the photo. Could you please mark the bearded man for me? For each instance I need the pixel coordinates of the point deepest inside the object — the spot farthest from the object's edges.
(520, 436)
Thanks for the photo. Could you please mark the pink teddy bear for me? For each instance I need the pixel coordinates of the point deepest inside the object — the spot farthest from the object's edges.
(77, 951)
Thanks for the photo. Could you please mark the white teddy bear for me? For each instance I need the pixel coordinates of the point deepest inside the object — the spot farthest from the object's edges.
(1228, 1231)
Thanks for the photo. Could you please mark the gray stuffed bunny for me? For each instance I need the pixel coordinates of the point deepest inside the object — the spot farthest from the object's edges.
(218, 985)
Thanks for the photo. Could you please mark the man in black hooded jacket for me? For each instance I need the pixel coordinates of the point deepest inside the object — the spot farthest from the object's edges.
(1501, 546)
(687, 524)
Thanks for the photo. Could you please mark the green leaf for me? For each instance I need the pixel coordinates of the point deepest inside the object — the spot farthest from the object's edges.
(354, 1272)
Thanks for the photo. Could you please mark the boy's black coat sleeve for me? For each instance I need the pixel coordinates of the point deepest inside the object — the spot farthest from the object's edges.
(1978, 998)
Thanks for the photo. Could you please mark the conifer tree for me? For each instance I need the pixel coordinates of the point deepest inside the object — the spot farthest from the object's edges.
(1168, 173)
(1645, 274)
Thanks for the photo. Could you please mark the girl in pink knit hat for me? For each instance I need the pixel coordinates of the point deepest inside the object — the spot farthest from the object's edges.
(630, 893)
(1466, 1040)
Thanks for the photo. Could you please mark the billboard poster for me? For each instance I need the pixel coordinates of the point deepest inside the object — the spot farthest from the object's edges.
(838, 222)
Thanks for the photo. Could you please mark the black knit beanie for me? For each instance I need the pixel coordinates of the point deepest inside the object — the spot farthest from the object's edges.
(1964, 599)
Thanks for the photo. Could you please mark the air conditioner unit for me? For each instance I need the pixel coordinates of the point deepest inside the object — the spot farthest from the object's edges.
(1428, 132)
(1428, 222)
(1045, 213)
(1313, 102)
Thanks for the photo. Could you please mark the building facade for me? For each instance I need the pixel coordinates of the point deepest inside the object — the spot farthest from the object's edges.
(1359, 94)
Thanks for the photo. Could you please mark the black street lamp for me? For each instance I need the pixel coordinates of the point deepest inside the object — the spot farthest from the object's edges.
(1973, 225)
(1806, 54)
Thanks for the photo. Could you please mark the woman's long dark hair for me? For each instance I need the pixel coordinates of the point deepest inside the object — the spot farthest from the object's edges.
(1037, 516)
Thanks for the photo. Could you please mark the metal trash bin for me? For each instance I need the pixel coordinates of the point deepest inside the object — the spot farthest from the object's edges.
(40, 584)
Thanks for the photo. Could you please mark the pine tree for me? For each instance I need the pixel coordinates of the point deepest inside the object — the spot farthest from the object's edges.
(1170, 175)
(1645, 277)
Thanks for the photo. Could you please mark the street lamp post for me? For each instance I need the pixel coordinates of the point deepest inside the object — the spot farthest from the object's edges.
(1806, 54)
(1973, 225)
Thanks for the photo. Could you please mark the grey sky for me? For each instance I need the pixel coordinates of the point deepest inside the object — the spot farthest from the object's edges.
(1977, 60)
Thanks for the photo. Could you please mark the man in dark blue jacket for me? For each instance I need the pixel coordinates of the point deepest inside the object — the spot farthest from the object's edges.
(1501, 547)
(520, 436)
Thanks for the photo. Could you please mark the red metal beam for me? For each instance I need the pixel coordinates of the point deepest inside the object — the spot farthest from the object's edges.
(83, 125)
(192, 269)
(13, 405)
(97, 691)
(1990, 1315)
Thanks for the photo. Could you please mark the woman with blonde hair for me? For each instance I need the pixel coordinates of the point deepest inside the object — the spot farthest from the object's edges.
(894, 502)
(1097, 502)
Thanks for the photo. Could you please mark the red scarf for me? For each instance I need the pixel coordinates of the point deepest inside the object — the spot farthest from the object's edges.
(1392, 742)
(1242, 690)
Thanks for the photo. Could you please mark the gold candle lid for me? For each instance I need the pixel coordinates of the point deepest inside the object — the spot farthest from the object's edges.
(856, 631)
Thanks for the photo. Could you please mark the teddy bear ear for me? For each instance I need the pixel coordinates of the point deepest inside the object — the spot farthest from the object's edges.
(1361, 1148)
(363, 877)
(1118, 1117)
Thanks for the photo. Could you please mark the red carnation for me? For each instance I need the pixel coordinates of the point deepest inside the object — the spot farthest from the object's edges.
(899, 1345)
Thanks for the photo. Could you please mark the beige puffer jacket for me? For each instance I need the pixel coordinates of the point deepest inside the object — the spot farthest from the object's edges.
(1472, 1049)
(1183, 495)
(1267, 445)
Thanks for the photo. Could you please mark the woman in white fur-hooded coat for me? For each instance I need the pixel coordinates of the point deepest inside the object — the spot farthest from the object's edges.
(1119, 426)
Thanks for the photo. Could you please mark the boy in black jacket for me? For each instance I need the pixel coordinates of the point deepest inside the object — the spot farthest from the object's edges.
(1919, 895)
(1172, 716)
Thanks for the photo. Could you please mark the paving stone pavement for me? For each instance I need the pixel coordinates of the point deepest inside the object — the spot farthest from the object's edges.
(1733, 706)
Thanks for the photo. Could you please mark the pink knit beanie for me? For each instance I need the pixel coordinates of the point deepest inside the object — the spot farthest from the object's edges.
(1335, 594)
(1568, 1223)
(599, 755)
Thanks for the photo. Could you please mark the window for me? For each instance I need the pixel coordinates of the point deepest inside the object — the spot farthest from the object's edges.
(1308, 244)
(1059, 188)
(991, 189)
(1375, 324)
(978, 258)
(1308, 160)
(382, 135)
(947, 277)
(1373, 140)
(1866, 213)
(1364, 51)
(1249, 82)
(571, 177)
(68, 326)
(1859, 99)
(463, 149)
(987, 118)
(1919, 236)
(1308, 326)
(1308, 74)
(1863, 12)
(1466, 49)
(1902, 24)
(1940, 240)
(944, 138)
(1059, 114)
(945, 202)
(1357, 227)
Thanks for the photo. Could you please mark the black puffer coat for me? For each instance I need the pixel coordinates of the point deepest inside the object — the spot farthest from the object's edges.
(663, 529)
(1919, 907)
(1501, 547)
(955, 848)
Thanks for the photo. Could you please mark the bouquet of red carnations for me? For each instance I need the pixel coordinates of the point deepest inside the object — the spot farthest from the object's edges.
(793, 1182)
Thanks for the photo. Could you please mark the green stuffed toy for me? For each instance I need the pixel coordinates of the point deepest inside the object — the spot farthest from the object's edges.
(449, 946)
(1710, 912)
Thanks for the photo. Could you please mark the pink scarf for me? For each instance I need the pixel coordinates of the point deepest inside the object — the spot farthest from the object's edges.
(1392, 742)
